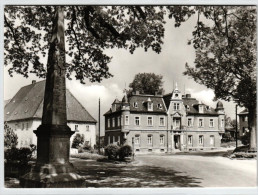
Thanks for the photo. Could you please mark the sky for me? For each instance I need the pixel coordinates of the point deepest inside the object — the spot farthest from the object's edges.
(170, 63)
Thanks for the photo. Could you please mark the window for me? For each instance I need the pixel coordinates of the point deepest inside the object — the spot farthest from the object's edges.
(211, 122)
(76, 127)
(87, 128)
(200, 122)
(108, 139)
(189, 122)
(135, 104)
(22, 126)
(150, 106)
(162, 121)
(201, 140)
(108, 122)
(137, 139)
(16, 126)
(27, 126)
(114, 139)
(137, 120)
(190, 140)
(118, 121)
(222, 123)
(149, 140)
(113, 122)
(150, 120)
(159, 106)
(118, 139)
(201, 108)
(212, 140)
(176, 106)
(126, 120)
(177, 122)
(162, 139)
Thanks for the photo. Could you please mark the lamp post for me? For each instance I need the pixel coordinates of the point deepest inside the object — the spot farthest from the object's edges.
(237, 102)
(236, 125)
(133, 146)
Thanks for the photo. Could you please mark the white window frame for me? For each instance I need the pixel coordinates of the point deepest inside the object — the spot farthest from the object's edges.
(149, 139)
(190, 141)
(76, 127)
(137, 139)
(87, 128)
(191, 124)
(151, 117)
(108, 122)
(139, 120)
(126, 119)
(162, 139)
(211, 122)
(162, 117)
(150, 106)
(176, 106)
(202, 122)
(118, 121)
(201, 140)
(113, 122)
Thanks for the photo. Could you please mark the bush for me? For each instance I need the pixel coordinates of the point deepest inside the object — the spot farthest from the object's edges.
(125, 151)
(78, 140)
(112, 151)
(10, 138)
(245, 139)
(19, 155)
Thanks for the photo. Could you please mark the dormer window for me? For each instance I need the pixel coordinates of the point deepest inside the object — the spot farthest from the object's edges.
(135, 104)
(176, 95)
(208, 108)
(187, 107)
(159, 106)
(176, 106)
(200, 108)
(150, 106)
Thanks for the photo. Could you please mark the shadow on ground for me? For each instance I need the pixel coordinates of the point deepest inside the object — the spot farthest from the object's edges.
(99, 174)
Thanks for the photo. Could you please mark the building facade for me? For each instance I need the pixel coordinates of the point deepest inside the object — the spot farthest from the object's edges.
(24, 111)
(243, 122)
(164, 123)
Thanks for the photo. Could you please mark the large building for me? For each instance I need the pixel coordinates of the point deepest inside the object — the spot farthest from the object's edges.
(24, 111)
(160, 123)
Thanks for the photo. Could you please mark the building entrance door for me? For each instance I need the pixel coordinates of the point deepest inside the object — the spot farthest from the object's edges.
(177, 141)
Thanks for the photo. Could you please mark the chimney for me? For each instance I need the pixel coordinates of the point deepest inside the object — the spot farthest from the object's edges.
(188, 95)
(33, 82)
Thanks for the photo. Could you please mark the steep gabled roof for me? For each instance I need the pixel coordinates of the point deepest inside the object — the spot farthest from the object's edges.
(28, 103)
(192, 105)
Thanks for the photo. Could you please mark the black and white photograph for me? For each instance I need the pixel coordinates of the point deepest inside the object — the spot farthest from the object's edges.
(129, 96)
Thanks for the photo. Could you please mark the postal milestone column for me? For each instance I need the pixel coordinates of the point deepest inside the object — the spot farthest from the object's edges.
(53, 168)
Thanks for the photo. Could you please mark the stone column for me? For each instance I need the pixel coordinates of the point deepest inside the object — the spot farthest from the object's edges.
(53, 168)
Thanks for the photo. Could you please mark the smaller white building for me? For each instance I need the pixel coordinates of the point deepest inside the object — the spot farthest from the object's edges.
(24, 111)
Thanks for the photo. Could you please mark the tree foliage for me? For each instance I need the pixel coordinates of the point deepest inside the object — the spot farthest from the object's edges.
(147, 83)
(89, 31)
(78, 140)
(10, 138)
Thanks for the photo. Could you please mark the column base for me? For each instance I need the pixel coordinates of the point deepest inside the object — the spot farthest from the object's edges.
(52, 176)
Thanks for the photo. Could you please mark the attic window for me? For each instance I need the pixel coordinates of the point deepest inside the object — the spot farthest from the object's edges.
(159, 106)
(187, 107)
(176, 95)
(208, 108)
(135, 104)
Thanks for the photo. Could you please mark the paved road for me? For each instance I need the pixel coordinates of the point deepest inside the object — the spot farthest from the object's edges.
(207, 171)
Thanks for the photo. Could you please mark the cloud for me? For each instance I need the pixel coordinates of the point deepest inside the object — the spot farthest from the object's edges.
(206, 96)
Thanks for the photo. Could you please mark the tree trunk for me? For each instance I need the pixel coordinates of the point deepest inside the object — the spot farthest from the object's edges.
(252, 128)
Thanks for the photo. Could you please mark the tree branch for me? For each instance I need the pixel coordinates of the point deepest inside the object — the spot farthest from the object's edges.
(12, 30)
(142, 14)
(75, 36)
(87, 11)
